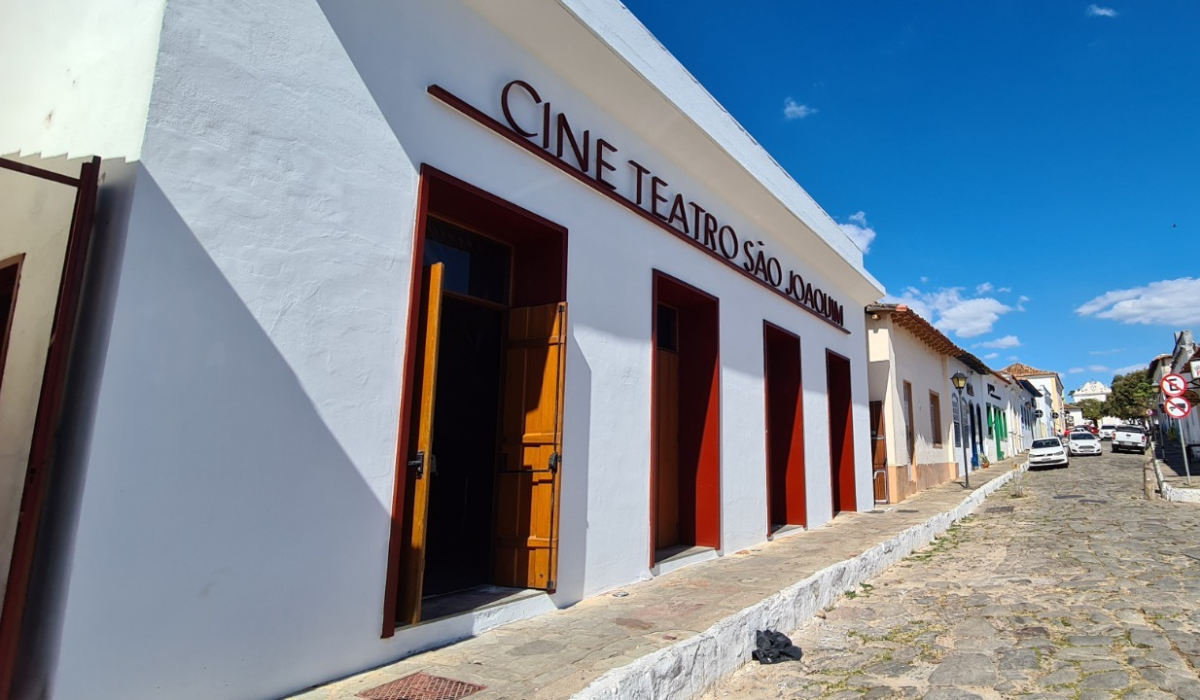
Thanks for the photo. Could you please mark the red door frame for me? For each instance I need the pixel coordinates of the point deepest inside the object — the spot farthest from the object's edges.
(784, 397)
(699, 410)
(49, 408)
(841, 433)
(539, 245)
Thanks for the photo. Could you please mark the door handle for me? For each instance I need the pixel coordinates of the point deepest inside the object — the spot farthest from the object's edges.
(417, 464)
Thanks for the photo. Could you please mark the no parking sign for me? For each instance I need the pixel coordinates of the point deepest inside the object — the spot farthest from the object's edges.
(1173, 385)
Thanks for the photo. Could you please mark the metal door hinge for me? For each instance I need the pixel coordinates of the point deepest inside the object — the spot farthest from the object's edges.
(417, 464)
(555, 460)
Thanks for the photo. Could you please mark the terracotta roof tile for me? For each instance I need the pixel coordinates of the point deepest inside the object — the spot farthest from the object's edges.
(910, 321)
(1019, 370)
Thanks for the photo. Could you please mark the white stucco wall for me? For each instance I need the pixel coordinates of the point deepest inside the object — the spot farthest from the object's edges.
(76, 75)
(1052, 395)
(917, 364)
(36, 222)
(239, 484)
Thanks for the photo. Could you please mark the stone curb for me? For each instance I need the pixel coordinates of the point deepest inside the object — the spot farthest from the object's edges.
(687, 669)
(1169, 492)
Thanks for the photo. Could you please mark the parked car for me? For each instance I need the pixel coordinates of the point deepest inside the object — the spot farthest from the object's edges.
(1048, 452)
(1106, 432)
(1081, 442)
(1130, 438)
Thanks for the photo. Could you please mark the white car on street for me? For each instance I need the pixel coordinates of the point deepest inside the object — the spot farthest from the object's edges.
(1048, 452)
(1130, 438)
(1106, 431)
(1083, 443)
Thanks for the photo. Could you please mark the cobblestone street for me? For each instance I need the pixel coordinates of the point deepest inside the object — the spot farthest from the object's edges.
(1064, 584)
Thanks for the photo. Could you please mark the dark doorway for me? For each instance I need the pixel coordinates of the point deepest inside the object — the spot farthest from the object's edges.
(458, 542)
(685, 441)
(475, 509)
(785, 429)
(841, 433)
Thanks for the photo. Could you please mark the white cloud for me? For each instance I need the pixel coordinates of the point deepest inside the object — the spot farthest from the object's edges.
(1166, 303)
(1021, 302)
(924, 279)
(1130, 368)
(1106, 352)
(1097, 368)
(1075, 370)
(1004, 289)
(950, 312)
(859, 231)
(985, 287)
(1097, 11)
(794, 110)
(991, 356)
(1008, 341)
(1013, 358)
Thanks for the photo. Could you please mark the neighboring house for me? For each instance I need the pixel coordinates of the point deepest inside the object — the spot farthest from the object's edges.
(912, 402)
(978, 408)
(1158, 368)
(395, 301)
(1040, 410)
(926, 432)
(1051, 387)
(1026, 397)
(998, 403)
(1185, 352)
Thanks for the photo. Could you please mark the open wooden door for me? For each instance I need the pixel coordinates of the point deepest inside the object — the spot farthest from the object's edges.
(35, 473)
(526, 532)
(421, 463)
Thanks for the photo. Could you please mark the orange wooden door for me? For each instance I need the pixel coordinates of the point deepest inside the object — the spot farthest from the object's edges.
(878, 452)
(527, 478)
(420, 464)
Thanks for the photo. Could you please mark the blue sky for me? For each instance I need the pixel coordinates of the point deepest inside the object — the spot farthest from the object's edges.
(1026, 175)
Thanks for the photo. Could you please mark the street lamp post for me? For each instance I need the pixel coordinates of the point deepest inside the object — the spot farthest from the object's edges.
(959, 380)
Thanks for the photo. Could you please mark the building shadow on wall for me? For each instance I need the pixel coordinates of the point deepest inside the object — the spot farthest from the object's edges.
(218, 510)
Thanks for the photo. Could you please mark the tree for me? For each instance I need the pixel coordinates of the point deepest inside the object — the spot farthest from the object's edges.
(1093, 410)
(1131, 395)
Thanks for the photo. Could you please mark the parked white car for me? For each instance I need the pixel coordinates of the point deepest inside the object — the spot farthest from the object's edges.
(1106, 431)
(1049, 452)
(1130, 438)
(1083, 443)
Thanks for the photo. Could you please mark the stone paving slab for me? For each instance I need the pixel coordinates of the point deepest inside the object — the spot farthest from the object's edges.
(677, 634)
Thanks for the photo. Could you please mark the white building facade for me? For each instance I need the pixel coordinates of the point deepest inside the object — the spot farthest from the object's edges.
(1053, 420)
(912, 402)
(398, 301)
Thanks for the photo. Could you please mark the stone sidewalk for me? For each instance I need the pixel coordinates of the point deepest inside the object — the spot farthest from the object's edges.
(1174, 482)
(677, 634)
